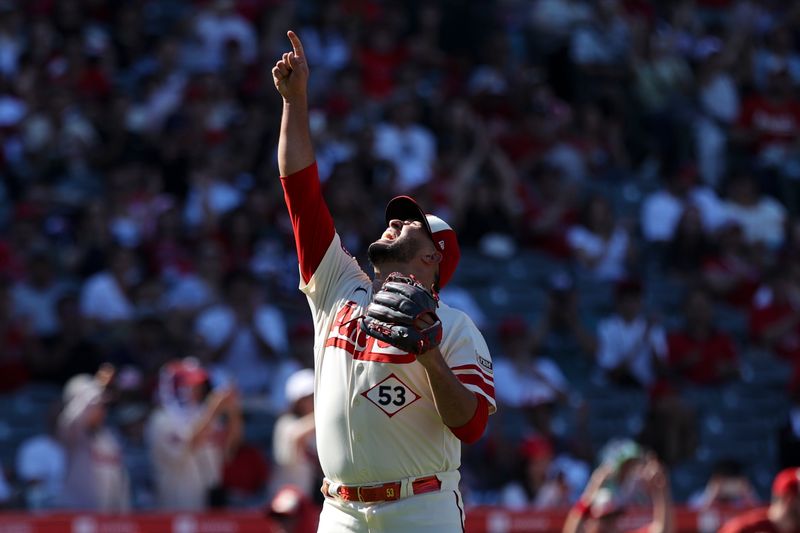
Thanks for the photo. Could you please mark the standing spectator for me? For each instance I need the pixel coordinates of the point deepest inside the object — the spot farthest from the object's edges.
(96, 478)
(41, 464)
(783, 513)
(776, 324)
(212, 191)
(547, 480)
(732, 268)
(531, 383)
(327, 45)
(549, 210)
(106, 297)
(194, 292)
(718, 98)
(190, 434)
(599, 243)
(761, 217)
(779, 51)
(599, 510)
(484, 199)
(36, 298)
(631, 347)
(293, 445)
(662, 209)
(768, 126)
(408, 144)
(248, 338)
(727, 487)
(219, 27)
(699, 352)
(769, 121)
(380, 61)
(669, 427)
(600, 46)
(686, 252)
(560, 328)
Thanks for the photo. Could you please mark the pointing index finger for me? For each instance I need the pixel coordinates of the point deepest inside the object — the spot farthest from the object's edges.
(297, 46)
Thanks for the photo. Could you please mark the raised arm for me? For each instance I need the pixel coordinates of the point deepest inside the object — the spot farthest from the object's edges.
(311, 220)
(290, 74)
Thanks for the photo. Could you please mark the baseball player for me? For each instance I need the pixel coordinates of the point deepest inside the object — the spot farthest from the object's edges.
(401, 379)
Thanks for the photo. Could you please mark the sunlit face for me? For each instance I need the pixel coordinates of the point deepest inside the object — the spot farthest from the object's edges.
(401, 242)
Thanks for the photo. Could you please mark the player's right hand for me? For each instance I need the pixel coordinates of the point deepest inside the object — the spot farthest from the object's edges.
(290, 73)
(220, 400)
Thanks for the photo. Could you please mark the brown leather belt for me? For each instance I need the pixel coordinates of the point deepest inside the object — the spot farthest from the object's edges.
(386, 492)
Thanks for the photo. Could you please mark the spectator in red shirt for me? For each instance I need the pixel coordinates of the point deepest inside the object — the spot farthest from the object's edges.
(245, 474)
(769, 123)
(732, 272)
(380, 62)
(699, 353)
(775, 321)
(782, 515)
(549, 210)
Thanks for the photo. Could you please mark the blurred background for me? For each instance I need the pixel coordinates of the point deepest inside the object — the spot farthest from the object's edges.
(623, 175)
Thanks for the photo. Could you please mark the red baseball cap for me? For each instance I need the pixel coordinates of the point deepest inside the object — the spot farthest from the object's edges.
(442, 235)
(188, 372)
(787, 482)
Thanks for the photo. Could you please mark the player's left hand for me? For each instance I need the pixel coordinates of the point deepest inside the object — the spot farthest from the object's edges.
(403, 314)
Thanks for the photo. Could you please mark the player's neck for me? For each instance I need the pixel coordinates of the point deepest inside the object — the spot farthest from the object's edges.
(424, 277)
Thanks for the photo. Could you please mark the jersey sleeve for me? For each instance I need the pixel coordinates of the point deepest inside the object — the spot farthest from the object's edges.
(311, 220)
(327, 270)
(468, 357)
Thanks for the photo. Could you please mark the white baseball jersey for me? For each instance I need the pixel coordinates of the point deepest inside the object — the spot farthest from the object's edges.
(375, 416)
(183, 474)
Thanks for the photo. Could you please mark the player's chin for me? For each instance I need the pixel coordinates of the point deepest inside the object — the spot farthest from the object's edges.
(379, 246)
(380, 250)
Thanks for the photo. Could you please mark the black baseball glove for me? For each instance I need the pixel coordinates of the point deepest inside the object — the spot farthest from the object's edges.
(398, 312)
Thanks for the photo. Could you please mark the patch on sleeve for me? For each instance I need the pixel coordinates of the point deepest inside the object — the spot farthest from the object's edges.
(485, 363)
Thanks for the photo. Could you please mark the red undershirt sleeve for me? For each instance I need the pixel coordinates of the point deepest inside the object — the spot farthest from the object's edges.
(311, 220)
(473, 430)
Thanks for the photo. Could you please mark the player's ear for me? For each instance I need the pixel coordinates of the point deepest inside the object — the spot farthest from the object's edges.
(432, 258)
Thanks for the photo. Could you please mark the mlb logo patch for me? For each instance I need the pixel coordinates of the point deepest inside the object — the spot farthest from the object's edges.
(485, 363)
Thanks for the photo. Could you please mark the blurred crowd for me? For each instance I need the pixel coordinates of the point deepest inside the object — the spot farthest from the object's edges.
(142, 221)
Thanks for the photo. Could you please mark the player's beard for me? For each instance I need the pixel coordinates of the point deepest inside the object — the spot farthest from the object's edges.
(397, 251)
